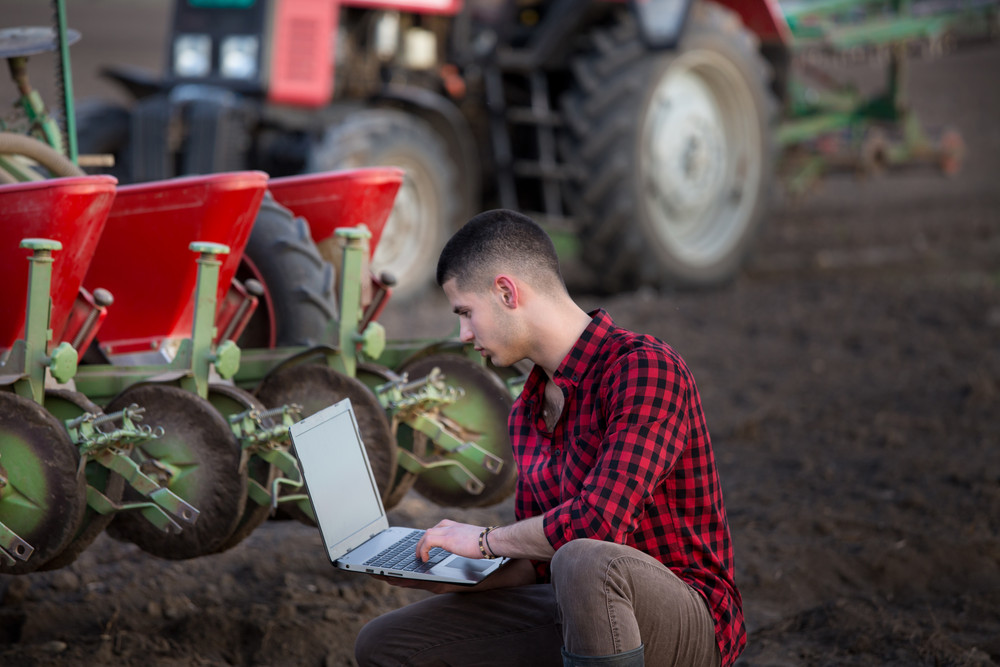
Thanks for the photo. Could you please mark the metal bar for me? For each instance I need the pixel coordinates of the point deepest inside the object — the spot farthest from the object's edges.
(12, 544)
(458, 472)
(154, 514)
(443, 438)
(120, 463)
(796, 131)
(203, 326)
(36, 329)
(355, 249)
(67, 80)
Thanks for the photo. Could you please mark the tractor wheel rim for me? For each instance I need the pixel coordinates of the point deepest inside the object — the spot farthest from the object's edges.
(701, 156)
(410, 225)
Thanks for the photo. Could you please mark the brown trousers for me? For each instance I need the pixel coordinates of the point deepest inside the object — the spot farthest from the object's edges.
(604, 598)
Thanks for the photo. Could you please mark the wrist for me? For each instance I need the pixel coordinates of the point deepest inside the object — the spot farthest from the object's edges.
(484, 544)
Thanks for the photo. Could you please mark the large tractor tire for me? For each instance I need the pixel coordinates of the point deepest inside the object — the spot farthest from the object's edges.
(299, 299)
(102, 128)
(428, 205)
(674, 151)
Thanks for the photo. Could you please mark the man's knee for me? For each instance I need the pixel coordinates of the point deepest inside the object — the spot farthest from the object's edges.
(368, 642)
(390, 639)
(582, 560)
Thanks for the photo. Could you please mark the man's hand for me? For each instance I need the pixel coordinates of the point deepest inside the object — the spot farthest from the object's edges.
(524, 539)
(458, 538)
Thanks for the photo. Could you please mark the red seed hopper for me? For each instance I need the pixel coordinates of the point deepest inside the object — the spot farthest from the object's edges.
(345, 198)
(144, 257)
(70, 210)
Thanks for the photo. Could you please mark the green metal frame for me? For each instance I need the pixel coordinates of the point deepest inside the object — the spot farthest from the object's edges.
(822, 108)
(41, 124)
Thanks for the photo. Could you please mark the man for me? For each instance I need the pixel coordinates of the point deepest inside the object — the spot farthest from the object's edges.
(621, 548)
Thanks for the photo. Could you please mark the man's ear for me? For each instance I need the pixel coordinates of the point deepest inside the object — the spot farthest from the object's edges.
(506, 288)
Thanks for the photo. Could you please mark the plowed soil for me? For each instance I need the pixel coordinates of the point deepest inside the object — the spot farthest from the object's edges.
(851, 377)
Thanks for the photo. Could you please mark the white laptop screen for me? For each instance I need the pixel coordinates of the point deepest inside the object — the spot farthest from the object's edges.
(339, 479)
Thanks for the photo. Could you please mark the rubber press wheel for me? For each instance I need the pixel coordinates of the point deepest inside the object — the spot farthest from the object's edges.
(481, 414)
(405, 437)
(198, 443)
(65, 405)
(315, 387)
(229, 401)
(42, 498)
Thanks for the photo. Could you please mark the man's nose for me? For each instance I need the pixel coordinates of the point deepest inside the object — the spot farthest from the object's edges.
(465, 334)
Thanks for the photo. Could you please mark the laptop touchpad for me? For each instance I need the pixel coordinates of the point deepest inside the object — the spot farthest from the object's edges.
(469, 564)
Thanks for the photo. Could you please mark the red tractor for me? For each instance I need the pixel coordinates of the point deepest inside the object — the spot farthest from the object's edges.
(638, 133)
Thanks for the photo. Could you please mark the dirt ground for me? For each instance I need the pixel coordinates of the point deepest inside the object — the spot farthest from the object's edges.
(851, 378)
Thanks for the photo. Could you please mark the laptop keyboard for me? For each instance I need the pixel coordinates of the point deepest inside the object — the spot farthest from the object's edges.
(402, 556)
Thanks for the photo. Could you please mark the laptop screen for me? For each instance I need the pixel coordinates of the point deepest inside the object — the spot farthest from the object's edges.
(344, 495)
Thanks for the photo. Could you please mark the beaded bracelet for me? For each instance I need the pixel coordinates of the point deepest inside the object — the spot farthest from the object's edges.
(483, 543)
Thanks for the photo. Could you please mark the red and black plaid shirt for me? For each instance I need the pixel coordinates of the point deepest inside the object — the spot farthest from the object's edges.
(630, 461)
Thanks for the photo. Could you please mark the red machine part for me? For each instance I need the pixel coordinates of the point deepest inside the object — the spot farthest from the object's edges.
(85, 318)
(343, 198)
(764, 18)
(145, 261)
(419, 6)
(71, 210)
(302, 67)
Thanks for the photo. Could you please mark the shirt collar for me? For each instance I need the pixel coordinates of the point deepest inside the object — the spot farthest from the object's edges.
(574, 366)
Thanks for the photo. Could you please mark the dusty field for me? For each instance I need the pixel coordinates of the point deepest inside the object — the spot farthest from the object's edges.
(852, 383)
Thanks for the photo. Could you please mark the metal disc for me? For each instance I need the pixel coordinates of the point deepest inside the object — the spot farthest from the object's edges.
(482, 413)
(314, 387)
(42, 498)
(30, 41)
(65, 405)
(405, 437)
(230, 400)
(197, 443)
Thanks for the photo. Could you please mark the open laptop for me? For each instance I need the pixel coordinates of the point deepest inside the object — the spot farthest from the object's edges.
(349, 512)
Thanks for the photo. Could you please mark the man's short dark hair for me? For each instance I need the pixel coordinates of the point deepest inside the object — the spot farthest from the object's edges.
(496, 241)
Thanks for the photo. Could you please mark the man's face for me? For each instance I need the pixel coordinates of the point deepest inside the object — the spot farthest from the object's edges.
(486, 323)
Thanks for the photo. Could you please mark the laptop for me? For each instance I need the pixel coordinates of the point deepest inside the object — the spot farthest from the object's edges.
(349, 511)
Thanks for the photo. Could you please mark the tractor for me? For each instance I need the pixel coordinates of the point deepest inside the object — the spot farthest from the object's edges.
(646, 135)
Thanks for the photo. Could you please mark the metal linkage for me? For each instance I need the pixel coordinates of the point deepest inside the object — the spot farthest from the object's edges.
(418, 404)
(113, 450)
(11, 545)
(270, 443)
(86, 434)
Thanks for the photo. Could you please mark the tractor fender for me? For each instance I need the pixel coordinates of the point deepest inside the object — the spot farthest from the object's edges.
(218, 121)
(448, 120)
(662, 22)
(137, 81)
